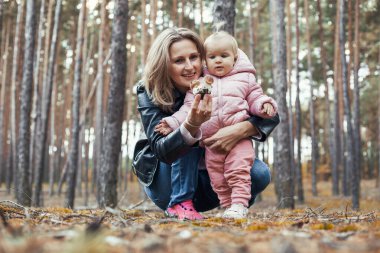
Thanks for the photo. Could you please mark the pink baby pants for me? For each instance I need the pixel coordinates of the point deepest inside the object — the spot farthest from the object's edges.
(230, 173)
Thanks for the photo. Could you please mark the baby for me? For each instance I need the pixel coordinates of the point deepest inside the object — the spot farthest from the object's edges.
(235, 96)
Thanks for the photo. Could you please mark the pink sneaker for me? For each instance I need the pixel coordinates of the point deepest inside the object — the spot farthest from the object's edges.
(184, 211)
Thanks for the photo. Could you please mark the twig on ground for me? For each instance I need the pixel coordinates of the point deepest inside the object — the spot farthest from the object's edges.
(14, 203)
(137, 204)
(77, 216)
(95, 226)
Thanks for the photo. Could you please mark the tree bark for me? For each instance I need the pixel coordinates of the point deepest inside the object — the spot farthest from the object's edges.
(283, 171)
(201, 25)
(356, 114)
(131, 102)
(337, 162)
(3, 128)
(74, 149)
(224, 16)
(300, 192)
(99, 95)
(311, 105)
(347, 112)
(378, 139)
(86, 121)
(289, 75)
(174, 12)
(13, 120)
(153, 17)
(51, 155)
(24, 190)
(251, 32)
(182, 14)
(36, 105)
(113, 124)
(378, 133)
(144, 34)
(1, 20)
(329, 133)
(45, 108)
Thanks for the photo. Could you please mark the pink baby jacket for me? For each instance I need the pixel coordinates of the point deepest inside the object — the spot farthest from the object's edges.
(235, 97)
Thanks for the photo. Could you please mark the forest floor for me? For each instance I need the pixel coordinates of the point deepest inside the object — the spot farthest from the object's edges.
(322, 224)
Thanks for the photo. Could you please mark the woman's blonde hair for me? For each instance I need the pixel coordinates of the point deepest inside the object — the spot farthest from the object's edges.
(156, 76)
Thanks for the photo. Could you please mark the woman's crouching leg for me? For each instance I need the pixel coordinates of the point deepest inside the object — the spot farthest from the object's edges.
(260, 176)
(177, 182)
(159, 191)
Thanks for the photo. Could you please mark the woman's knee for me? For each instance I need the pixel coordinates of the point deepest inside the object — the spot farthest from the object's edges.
(260, 175)
(160, 199)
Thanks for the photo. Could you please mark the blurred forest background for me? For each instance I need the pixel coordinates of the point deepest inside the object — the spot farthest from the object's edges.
(61, 95)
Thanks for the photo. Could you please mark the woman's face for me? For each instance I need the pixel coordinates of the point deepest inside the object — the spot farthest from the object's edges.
(185, 64)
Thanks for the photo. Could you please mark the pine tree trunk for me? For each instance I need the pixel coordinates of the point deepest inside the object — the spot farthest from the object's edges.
(99, 95)
(347, 111)
(300, 192)
(356, 114)
(378, 133)
(74, 149)
(174, 12)
(153, 17)
(36, 89)
(311, 105)
(251, 32)
(283, 170)
(113, 124)
(84, 121)
(224, 15)
(45, 108)
(337, 162)
(290, 97)
(4, 113)
(131, 102)
(378, 139)
(201, 25)
(3, 128)
(329, 133)
(14, 84)
(1, 24)
(87, 53)
(181, 14)
(24, 190)
(144, 34)
(51, 155)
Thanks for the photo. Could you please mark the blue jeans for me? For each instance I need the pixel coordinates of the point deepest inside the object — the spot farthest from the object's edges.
(182, 180)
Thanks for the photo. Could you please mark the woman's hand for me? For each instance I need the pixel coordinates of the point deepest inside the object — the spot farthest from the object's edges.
(199, 113)
(226, 138)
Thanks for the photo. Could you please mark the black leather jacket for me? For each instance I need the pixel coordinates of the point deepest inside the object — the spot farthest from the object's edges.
(167, 149)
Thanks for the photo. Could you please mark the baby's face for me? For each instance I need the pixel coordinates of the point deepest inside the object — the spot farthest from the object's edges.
(220, 58)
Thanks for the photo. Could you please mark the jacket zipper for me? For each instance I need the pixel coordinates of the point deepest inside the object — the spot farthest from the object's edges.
(220, 103)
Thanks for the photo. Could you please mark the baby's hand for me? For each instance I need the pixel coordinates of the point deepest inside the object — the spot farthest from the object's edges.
(163, 128)
(268, 109)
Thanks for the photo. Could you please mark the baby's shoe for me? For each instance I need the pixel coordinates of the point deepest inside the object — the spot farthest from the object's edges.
(236, 211)
(184, 211)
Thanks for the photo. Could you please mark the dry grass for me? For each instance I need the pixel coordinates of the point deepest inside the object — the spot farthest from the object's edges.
(322, 224)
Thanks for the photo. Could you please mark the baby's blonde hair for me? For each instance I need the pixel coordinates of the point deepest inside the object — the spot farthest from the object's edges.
(222, 35)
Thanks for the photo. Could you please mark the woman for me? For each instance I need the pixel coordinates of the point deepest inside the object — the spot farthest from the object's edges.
(172, 167)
